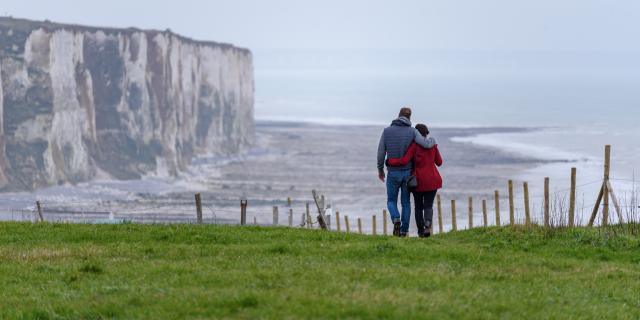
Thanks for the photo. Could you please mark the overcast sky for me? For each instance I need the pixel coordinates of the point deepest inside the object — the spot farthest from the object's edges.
(549, 25)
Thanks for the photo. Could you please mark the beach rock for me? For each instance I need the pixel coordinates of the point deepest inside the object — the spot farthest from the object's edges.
(81, 102)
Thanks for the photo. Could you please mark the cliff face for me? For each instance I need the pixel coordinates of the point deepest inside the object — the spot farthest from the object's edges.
(78, 101)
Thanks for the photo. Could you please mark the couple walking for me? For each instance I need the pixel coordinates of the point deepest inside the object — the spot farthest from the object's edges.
(411, 160)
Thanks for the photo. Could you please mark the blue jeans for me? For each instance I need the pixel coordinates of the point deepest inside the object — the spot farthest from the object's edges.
(397, 181)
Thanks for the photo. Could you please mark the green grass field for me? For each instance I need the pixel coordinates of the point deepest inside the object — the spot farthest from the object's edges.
(61, 271)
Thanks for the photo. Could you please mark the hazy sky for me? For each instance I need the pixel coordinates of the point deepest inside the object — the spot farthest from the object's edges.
(549, 25)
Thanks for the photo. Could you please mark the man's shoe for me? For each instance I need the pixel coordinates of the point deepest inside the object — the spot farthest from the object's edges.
(403, 234)
(396, 229)
(427, 234)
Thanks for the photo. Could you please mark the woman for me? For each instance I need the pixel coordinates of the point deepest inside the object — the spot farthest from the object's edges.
(428, 178)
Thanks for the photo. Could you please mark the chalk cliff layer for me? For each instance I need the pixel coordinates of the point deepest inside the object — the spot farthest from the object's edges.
(77, 102)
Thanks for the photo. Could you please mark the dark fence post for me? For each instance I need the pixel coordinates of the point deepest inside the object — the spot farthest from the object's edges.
(512, 217)
(454, 223)
(497, 205)
(572, 198)
(527, 212)
(40, 211)
(470, 213)
(275, 216)
(243, 212)
(198, 209)
(484, 213)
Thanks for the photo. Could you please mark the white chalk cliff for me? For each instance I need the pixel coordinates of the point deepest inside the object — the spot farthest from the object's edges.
(77, 101)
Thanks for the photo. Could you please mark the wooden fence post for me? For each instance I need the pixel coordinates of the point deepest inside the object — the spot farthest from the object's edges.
(338, 221)
(547, 203)
(605, 190)
(255, 220)
(572, 198)
(198, 209)
(321, 206)
(596, 207)
(527, 212)
(308, 216)
(374, 226)
(275, 216)
(290, 218)
(470, 213)
(454, 223)
(440, 228)
(384, 221)
(484, 213)
(40, 215)
(512, 217)
(243, 212)
(346, 224)
(359, 226)
(605, 185)
(497, 205)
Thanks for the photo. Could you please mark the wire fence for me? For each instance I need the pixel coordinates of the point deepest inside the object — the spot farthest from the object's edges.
(557, 208)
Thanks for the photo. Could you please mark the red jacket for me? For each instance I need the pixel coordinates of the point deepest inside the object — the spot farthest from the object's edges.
(424, 167)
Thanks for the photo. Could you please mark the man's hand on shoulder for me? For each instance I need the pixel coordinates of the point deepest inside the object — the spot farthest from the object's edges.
(425, 142)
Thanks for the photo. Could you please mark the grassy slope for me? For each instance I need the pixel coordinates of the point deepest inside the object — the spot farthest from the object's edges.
(143, 271)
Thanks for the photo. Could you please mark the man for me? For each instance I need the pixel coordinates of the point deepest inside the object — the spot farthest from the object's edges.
(394, 142)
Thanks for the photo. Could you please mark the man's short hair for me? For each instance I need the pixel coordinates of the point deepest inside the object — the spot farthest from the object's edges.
(405, 112)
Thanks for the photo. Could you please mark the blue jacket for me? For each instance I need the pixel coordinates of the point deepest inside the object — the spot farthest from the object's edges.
(395, 142)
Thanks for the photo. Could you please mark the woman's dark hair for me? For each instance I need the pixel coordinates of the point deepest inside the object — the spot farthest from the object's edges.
(424, 131)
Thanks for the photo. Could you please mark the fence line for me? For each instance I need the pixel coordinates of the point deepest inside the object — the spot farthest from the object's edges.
(554, 210)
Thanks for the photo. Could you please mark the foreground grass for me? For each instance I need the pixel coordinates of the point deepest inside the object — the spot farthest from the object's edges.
(187, 271)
